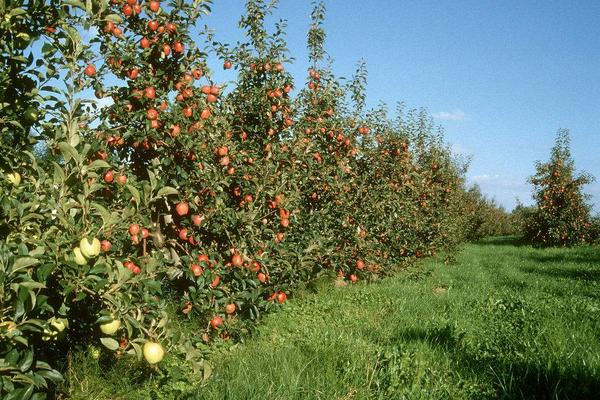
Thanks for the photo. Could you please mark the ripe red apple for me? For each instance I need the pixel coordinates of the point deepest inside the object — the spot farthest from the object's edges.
(227, 65)
(224, 161)
(216, 322)
(152, 114)
(178, 47)
(122, 179)
(150, 93)
(144, 43)
(360, 264)
(196, 219)
(196, 270)
(280, 297)
(182, 208)
(215, 282)
(237, 260)
(154, 6)
(109, 176)
(222, 151)
(353, 278)
(152, 25)
(134, 229)
(145, 233)
(230, 308)
(90, 70)
(262, 278)
(171, 28)
(105, 245)
(183, 234)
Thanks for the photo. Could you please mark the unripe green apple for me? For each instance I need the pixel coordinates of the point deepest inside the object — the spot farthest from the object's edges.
(95, 352)
(59, 323)
(89, 249)
(79, 258)
(111, 327)
(153, 352)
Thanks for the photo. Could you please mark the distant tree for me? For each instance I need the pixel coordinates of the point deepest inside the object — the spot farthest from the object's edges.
(562, 217)
(484, 217)
(521, 215)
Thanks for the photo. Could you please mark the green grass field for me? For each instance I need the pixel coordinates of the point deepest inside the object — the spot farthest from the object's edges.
(505, 321)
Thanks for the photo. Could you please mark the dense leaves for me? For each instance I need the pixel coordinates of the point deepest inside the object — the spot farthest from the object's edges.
(148, 193)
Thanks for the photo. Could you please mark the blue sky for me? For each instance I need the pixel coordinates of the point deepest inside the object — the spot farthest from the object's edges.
(500, 76)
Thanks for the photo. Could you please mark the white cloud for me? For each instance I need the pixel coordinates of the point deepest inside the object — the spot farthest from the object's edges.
(456, 115)
(484, 178)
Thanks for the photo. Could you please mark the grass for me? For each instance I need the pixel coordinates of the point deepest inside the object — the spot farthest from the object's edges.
(505, 321)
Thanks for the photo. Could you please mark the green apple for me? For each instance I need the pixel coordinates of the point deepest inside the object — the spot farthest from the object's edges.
(153, 352)
(94, 352)
(14, 178)
(48, 334)
(89, 249)
(79, 258)
(111, 327)
(59, 323)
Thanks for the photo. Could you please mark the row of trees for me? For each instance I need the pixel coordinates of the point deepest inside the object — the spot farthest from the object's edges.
(187, 198)
(184, 197)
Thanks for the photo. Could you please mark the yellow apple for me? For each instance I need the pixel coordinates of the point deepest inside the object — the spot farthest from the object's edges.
(79, 258)
(59, 323)
(89, 249)
(110, 327)
(14, 178)
(153, 352)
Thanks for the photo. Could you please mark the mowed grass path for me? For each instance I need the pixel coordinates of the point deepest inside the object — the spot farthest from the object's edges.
(505, 321)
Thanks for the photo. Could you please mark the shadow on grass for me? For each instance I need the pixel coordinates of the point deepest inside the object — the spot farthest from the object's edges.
(579, 274)
(515, 241)
(510, 380)
(578, 255)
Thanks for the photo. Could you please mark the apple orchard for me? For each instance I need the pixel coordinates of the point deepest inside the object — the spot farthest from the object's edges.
(186, 198)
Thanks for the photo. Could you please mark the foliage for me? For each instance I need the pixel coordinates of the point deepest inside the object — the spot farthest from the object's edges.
(144, 195)
(562, 216)
(486, 218)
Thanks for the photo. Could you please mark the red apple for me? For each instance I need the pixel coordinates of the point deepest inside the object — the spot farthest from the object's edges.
(182, 209)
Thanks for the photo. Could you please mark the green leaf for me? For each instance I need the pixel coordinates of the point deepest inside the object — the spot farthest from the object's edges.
(110, 343)
(134, 192)
(26, 362)
(52, 375)
(24, 262)
(166, 190)
(98, 164)
(114, 18)
(17, 11)
(68, 152)
(32, 285)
